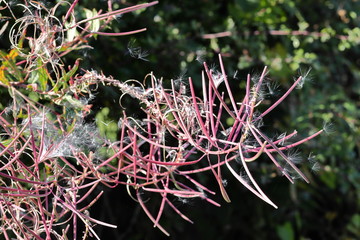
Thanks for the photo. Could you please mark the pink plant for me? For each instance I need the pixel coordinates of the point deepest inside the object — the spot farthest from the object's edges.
(197, 126)
(51, 161)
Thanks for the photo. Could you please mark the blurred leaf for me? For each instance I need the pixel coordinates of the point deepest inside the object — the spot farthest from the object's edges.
(354, 225)
(285, 231)
(107, 127)
(329, 178)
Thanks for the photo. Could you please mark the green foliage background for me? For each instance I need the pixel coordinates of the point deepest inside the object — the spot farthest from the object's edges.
(262, 33)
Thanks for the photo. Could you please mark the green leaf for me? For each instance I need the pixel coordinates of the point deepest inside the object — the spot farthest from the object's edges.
(68, 100)
(329, 178)
(63, 83)
(70, 33)
(6, 142)
(354, 225)
(285, 231)
(40, 76)
(67, 75)
(94, 24)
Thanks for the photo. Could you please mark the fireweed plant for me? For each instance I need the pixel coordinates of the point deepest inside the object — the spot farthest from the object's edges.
(52, 161)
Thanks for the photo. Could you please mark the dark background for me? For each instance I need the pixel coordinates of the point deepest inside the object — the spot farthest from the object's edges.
(328, 207)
